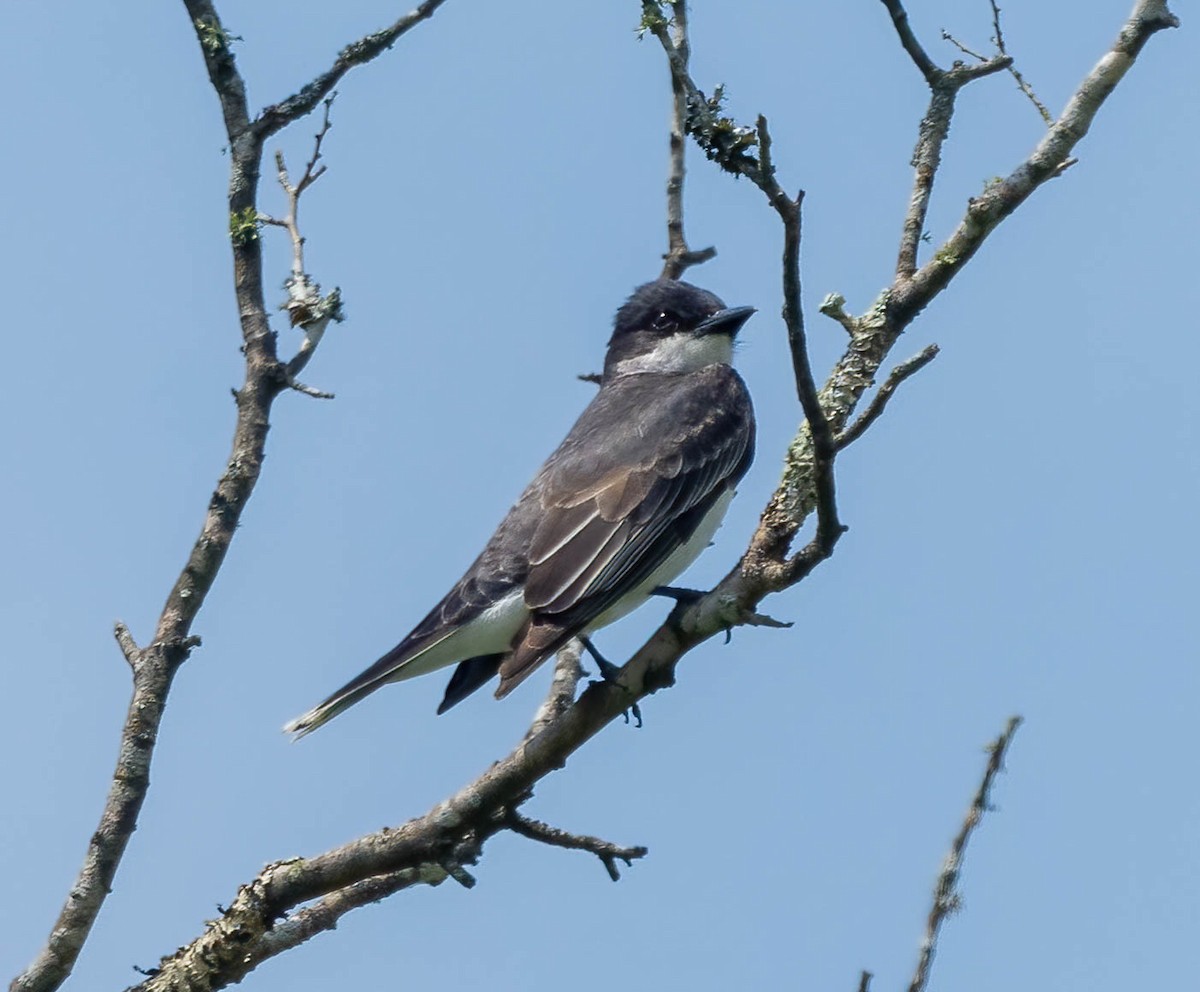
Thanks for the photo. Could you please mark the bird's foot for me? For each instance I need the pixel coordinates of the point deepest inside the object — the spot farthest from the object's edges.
(610, 673)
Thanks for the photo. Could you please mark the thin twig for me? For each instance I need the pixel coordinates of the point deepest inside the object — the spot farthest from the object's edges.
(278, 115)
(305, 306)
(945, 896)
(679, 257)
(947, 36)
(608, 853)
(721, 138)
(879, 402)
(864, 982)
(1046, 116)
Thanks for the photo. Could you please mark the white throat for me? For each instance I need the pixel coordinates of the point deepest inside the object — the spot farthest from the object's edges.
(681, 353)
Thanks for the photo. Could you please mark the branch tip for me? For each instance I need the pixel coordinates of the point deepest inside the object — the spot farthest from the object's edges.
(128, 646)
(834, 307)
(608, 853)
(879, 402)
(946, 898)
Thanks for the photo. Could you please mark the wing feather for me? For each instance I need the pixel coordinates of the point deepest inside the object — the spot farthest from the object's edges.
(614, 509)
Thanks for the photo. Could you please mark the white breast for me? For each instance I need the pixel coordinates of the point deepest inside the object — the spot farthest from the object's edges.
(681, 353)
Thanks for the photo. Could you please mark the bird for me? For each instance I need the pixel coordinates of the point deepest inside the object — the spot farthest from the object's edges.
(628, 500)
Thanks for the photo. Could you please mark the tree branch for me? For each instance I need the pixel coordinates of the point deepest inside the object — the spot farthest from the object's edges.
(726, 142)
(945, 897)
(608, 853)
(927, 156)
(904, 31)
(305, 306)
(879, 403)
(279, 115)
(764, 567)
(679, 257)
(154, 666)
(1024, 87)
(568, 672)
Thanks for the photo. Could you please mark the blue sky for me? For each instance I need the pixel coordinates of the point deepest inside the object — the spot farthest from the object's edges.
(1023, 530)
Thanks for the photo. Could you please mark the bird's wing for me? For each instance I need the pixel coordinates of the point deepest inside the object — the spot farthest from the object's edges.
(613, 508)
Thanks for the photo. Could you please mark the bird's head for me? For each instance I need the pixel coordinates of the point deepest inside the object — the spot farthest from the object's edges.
(672, 326)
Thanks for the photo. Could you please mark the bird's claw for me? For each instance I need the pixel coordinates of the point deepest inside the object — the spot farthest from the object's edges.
(610, 673)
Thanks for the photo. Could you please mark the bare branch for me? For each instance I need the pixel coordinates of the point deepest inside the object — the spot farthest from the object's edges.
(223, 72)
(154, 666)
(279, 115)
(153, 669)
(947, 36)
(927, 156)
(909, 40)
(306, 307)
(128, 646)
(864, 982)
(679, 257)
(834, 307)
(736, 160)
(879, 403)
(945, 896)
(608, 853)
(764, 567)
(1025, 88)
(1052, 154)
(568, 672)
(324, 914)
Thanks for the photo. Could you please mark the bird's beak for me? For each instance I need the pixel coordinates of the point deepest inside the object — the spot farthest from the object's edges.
(728, 321)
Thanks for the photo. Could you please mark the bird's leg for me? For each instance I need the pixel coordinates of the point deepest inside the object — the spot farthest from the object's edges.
(610, 673)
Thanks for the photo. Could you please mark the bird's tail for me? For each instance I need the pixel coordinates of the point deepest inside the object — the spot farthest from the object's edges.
(397, 664)
(322, 713)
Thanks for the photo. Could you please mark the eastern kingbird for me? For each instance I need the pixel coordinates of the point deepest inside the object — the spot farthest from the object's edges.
(628, 501)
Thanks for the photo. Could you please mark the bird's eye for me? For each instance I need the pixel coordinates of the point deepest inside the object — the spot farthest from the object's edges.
(665, 322)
